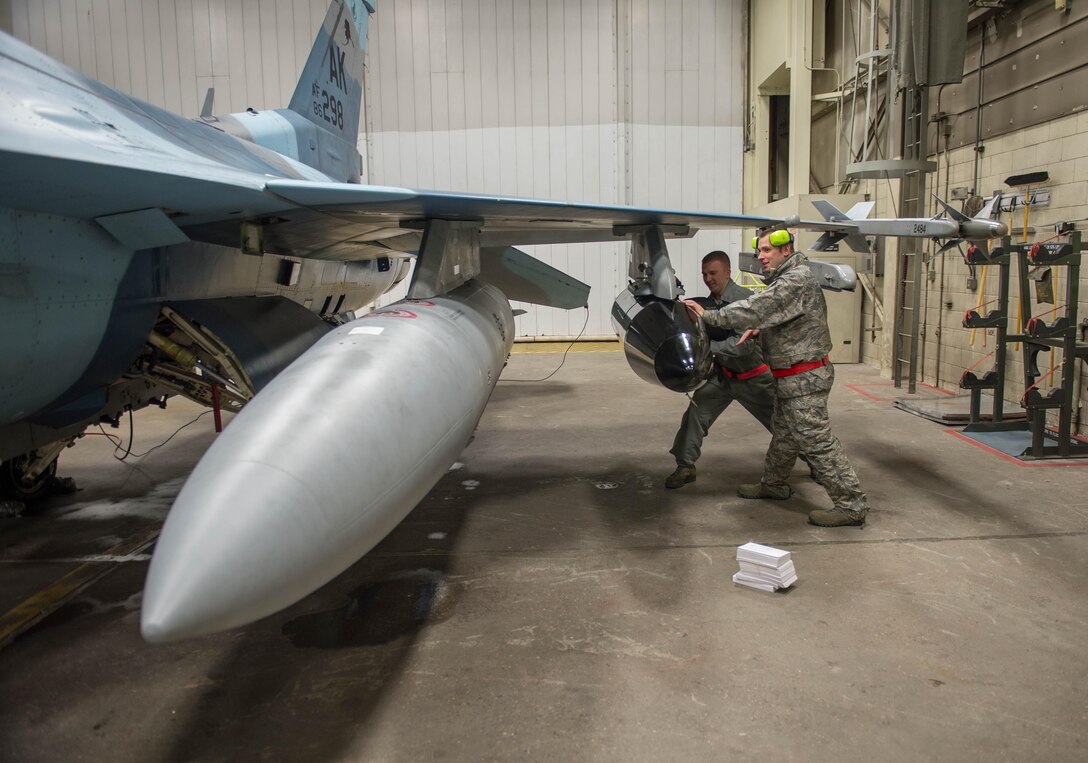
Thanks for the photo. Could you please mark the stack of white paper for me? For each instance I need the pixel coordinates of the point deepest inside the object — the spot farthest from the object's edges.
(765, 568)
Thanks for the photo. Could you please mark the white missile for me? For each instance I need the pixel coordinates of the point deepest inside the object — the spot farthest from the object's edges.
(325, 461)
(853, 226)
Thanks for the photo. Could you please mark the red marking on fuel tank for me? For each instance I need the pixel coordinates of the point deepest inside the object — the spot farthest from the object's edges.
(392, 314)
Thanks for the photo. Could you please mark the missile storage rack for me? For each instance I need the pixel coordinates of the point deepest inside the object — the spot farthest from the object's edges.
(1037, 337)
(997, 319)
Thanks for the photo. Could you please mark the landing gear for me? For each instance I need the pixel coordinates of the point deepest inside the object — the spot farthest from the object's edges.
(18, 483)
(32, 476)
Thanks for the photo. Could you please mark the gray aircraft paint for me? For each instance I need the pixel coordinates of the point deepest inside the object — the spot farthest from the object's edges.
(79, 297)
(281, 505)
(49, 342)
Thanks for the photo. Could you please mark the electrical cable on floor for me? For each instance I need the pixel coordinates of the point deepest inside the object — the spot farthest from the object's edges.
(564, 358)
(117, 441)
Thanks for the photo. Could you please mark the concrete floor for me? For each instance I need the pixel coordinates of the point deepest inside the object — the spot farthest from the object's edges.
(549, 600)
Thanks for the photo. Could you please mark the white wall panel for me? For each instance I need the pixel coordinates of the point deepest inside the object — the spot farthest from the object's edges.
(530, 103)
(168, 52)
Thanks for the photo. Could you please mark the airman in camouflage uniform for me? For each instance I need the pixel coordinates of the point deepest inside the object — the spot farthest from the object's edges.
(740, 374)
(792, 317)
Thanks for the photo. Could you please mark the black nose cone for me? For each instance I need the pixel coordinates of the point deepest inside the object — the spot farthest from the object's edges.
(662, 343)
(681, 363)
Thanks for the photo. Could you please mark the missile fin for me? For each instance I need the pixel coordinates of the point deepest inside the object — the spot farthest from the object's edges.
(828, 210)
(861, 210)
(987, 211)
(826, 241)
(954, 213)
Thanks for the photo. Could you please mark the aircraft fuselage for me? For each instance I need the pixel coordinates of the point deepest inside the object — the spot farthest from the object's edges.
(83, 284)
(78, 307)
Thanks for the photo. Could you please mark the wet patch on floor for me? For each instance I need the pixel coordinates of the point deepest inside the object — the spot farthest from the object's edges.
(83, 606)
(154, 505)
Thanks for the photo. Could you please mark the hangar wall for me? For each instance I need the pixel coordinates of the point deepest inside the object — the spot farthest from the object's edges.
(1031, 106)
(1032, 101)
(611, 101)
(1061, 148)
(608, 101)
(169, 52)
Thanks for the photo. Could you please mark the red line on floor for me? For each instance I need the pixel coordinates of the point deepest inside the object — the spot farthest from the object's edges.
(898, 391)
(857, 388)
(938, 389)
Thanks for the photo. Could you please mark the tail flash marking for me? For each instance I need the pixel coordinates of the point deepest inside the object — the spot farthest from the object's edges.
(329, 92)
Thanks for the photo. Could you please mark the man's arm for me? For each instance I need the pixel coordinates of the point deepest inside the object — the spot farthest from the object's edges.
(748, 334)
(777, 304)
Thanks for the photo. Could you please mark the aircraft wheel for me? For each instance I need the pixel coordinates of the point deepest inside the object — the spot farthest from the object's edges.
(15, 485)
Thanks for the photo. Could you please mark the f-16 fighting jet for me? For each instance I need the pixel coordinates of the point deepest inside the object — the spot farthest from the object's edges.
(146, 255)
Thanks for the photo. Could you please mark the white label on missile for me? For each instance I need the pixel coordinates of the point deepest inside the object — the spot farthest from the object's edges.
(375, 330)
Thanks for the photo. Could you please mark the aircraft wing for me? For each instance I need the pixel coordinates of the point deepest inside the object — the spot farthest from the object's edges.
(210, 202)
(342, 221)
(77, 148)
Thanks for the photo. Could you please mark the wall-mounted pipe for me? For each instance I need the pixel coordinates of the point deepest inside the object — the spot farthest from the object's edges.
(978, 110)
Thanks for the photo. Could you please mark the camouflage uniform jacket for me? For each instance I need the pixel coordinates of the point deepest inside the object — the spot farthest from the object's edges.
(737, 358)
(792, 317)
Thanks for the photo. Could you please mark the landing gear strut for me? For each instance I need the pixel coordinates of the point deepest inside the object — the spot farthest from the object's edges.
(33, 476)
(17, 484)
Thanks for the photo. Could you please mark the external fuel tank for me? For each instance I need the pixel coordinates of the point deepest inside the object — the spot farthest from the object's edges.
(326, 460)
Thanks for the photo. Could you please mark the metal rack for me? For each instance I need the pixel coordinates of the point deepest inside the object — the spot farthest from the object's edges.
(1040, 337)
(997, 319)
(1037, 337)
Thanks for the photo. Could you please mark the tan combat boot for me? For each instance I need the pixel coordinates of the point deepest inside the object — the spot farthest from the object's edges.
(763, 490)
(682, 476)
(836, 517)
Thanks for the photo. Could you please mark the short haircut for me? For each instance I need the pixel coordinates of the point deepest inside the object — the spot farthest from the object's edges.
(721, 257)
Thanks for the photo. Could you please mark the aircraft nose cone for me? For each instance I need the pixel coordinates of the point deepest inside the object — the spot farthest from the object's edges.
(679, 363)
(234, 548)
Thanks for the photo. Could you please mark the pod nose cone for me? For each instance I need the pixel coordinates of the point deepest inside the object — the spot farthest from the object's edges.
(681, 364)
(239, 544)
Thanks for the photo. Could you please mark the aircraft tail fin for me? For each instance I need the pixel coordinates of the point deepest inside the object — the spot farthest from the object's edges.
(329, 92)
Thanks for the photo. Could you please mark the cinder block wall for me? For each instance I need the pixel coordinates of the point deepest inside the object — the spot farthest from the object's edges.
(1060, 148)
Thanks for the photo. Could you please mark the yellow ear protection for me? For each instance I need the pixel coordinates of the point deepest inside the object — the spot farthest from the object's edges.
(775, 238)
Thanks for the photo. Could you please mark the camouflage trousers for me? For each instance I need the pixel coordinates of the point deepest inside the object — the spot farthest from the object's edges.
(801, 426)
(708, 402)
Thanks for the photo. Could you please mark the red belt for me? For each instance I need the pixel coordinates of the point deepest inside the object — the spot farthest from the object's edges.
(799, 368)
(746, 374)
